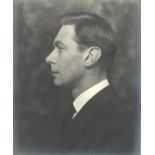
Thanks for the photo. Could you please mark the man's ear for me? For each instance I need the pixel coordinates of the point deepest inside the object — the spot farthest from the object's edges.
(91, 56)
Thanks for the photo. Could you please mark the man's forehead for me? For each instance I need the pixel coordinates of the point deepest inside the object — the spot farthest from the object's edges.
(66, 31)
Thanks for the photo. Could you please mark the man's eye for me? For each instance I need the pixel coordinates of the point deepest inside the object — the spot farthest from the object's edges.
(60, 49)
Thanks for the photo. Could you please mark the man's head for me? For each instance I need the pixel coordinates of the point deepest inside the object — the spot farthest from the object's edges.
(84, 43)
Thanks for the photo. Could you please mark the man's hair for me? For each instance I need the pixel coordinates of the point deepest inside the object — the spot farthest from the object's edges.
(92, 30)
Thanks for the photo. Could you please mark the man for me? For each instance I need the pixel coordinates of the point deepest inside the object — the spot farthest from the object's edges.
(96, 121)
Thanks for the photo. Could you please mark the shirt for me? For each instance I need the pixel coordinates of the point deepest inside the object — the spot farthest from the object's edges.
(84, 97)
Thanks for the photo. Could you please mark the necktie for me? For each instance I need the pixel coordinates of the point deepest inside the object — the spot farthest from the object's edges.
(68, 118)
(72, 111)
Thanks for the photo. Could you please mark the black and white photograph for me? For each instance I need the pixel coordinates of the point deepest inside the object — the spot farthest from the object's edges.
(76, 77)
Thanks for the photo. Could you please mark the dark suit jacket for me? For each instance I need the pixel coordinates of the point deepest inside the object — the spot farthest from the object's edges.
(104, 124)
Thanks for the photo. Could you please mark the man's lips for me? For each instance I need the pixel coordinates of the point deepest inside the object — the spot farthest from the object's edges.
(54, 72)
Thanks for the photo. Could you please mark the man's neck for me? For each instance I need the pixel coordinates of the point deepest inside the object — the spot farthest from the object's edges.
(86, 83)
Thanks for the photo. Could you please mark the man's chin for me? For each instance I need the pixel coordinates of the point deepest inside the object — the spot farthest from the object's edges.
(57, 83)
(60, 83)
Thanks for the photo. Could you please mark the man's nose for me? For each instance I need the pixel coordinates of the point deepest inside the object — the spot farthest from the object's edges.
(51, 58)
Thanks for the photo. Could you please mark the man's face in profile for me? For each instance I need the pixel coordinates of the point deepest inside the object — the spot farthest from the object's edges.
(66, 58)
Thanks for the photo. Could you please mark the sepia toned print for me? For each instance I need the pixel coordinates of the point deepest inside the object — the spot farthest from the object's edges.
(76, 77)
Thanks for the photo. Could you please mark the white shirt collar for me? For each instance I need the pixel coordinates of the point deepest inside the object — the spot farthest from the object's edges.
(84, 97)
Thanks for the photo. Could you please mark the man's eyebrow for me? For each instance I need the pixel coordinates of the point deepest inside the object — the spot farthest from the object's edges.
(59, 44)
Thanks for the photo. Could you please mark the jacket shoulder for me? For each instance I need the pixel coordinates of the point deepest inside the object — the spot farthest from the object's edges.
(113, 127)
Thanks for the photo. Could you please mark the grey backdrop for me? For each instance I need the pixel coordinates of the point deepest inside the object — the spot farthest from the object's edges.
(36, 99)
